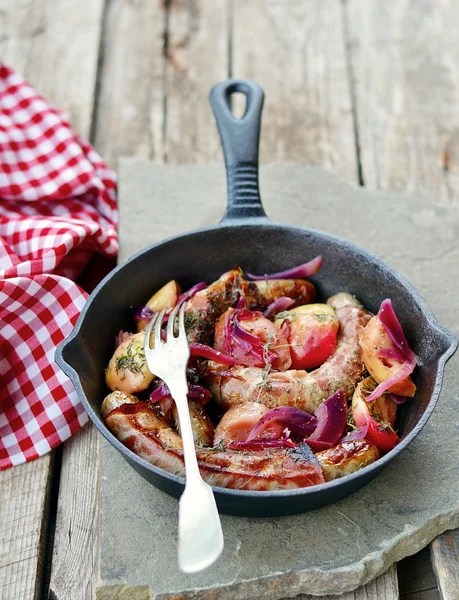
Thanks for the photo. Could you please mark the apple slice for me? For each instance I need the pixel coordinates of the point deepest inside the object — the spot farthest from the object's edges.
(312, 332)
(378, 416)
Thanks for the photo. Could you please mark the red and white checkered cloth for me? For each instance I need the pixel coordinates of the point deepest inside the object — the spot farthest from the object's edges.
(57, 208)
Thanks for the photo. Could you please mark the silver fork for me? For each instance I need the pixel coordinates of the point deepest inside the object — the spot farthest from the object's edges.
(200, 536)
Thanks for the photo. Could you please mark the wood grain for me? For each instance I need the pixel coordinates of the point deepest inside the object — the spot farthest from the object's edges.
(408, 126)
(416, 578)
(445, 560)
(296, 52)
(76, 543)
(130, 104)
(54, 45)
(405, 66)
(23, 508)
(197, 58)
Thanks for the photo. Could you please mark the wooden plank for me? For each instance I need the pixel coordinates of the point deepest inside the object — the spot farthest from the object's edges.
(408, 129)
(416, 577)
(445, 559)
(405, 66)
(75, 556)
(54, 45)
(296, 52)
(43, 40)
(23, 507)
(130, 112)
(197, 58)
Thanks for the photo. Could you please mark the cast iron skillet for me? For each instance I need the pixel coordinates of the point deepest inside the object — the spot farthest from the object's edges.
(246, 237)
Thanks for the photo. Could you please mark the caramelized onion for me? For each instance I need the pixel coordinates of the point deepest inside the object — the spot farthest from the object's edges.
(197, 392)
(392, 325)
(398, 399)
(246, 348)
(331, 419)
(300, 272)
(295, 420)
(405, 370)
(191, 292)
(210, 353)
(356, 434)
(280, 304)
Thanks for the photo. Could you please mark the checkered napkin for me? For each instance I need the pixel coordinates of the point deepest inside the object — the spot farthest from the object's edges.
(57, 209)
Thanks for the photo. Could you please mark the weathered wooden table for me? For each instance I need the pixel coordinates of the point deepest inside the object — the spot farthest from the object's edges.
(364, 88)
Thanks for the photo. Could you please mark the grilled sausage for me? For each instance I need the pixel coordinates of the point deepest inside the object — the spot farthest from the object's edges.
(238, 422)
(260, 294)
(344, 369)
(204, 308)
(203, 429)
(115, 400)
(139, 428)
(346, 458)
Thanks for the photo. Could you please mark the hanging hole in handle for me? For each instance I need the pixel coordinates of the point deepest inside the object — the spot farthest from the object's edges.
(238, 105)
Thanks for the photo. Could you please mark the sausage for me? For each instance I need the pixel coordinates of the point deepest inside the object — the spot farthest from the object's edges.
(346, 458)
(139, 428)
(260, 294)
(251, 384)
(203, 429)
(204, 308)
(297, 388)
(238, 422)
(115, 400)
(345, 367)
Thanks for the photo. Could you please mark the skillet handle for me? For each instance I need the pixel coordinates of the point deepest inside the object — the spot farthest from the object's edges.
(240, 140)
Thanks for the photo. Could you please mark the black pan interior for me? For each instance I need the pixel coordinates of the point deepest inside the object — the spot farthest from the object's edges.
(204, 256)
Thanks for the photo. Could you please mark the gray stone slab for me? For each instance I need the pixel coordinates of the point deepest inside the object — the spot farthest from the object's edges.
(340, 547)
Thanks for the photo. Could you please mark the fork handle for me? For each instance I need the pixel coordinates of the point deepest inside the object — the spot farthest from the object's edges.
(179, 394)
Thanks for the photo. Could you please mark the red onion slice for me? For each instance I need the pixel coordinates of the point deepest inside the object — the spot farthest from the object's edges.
(210, 353)
(300, 272)
(405, 370)
(279, 305)
(146, 314)
(392, 325)
(162, 391)
(197, 392)
(316, 445)
(244, 346)
(297, 421)
(398, 399)
(191, 292)
(356, 434)
(241, 303)
(331, 419)
(143, 314)
(391, 354)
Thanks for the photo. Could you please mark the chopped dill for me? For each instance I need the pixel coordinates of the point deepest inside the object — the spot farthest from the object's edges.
(264, 384)
(133, 360)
